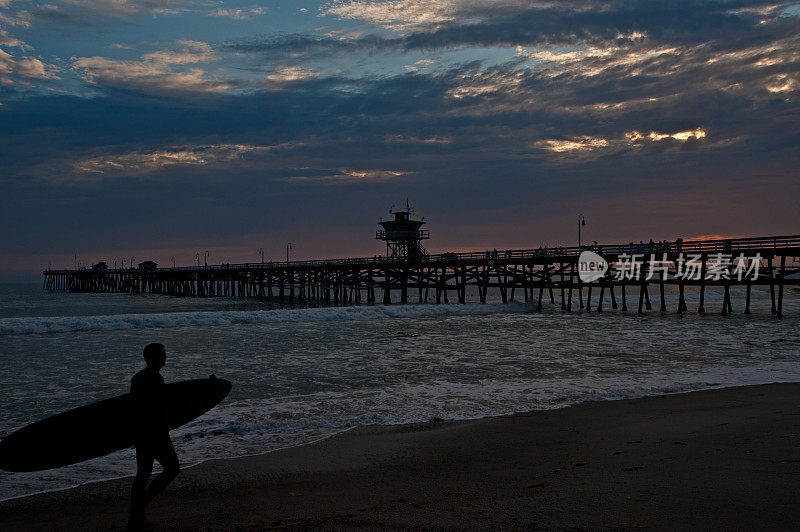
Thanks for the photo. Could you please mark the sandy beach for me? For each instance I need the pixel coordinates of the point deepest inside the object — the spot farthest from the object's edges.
(716, 459)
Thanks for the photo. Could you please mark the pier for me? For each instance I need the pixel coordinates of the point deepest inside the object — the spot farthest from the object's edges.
(532, 275)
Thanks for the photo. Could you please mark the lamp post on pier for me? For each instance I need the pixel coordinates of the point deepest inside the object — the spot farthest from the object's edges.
(261, 252)
(205, 259)
(288, 247)
(581, 222)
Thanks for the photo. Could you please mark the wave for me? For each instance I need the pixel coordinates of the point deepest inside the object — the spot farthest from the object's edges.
(62, 324)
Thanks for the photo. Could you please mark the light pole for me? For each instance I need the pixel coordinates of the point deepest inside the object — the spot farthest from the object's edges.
(123, 263)
(133, 259)
(205, 259)
(288, 247)
(173, 262)
(114, 261)
(197, 256)
(581, 222)
(261, 252)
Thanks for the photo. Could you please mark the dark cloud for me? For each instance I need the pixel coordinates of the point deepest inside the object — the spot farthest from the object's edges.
(93, 12)
(683, 22)
(281, 48)
(686, 23)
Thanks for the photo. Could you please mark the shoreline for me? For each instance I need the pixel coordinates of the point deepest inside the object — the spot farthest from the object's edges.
(398, 425)
(522, 468)
(183, 467)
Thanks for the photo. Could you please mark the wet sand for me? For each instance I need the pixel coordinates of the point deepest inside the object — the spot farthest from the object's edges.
(717, 459)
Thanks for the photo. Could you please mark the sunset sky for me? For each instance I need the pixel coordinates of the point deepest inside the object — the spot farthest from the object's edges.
(162, 128)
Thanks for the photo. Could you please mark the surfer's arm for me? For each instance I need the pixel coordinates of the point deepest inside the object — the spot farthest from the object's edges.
(148, 394)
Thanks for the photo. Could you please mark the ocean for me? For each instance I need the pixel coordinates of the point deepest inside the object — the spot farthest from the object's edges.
(302, 374)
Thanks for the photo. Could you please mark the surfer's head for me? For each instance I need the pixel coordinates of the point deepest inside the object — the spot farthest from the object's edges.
(155, 355)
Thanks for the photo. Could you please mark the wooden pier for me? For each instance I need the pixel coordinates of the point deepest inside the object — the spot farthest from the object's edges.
(531, 275)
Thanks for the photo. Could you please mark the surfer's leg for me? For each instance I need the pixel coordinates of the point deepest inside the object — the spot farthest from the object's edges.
(144, 467)
(169, 461)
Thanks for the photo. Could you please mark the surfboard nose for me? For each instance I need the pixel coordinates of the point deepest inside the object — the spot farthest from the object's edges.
(223, 387)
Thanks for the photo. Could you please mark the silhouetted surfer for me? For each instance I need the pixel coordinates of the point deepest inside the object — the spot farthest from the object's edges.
(152, 434)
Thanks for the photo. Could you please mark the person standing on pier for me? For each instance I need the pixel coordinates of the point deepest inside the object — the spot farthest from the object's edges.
(151, 428)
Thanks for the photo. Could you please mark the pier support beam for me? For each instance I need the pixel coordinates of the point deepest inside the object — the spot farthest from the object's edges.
(701, 306)
(779, 314)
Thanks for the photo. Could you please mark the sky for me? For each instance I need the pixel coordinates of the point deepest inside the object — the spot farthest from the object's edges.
(160, 129)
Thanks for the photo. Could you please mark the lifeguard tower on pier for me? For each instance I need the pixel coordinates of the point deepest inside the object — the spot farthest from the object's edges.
(404, 236)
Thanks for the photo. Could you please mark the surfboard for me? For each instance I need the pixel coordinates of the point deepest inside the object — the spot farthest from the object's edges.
(103, 427)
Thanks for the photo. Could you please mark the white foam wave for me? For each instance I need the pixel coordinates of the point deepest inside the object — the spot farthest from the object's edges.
(61, 324)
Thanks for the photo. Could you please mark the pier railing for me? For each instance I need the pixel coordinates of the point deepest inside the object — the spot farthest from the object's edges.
(728, 245)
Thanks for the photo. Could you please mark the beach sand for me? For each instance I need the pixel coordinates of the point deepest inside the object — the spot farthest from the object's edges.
(716, 459)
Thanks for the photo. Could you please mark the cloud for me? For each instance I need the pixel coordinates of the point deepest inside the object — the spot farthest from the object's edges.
(594, 60)
(7, 65)
(482, 83)
(24, 70)
(682, 136)
(20, 18)
(289, 74)
(402, 15)
(147, 77)
(346, 175)
(176, 71)
(12, 42)
(511, 23)
(550, 26)
(397, 15)
(576, 144)
(188, 52)
(404, 139)
(782, 83)
(238, 14)
(149, 161)
(157, 72)
(588, 147)
(33, 68)
(420, 66)
(324, 48)
(115, 8)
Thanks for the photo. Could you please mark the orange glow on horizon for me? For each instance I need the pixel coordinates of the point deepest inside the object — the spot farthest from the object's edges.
(713, 236)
